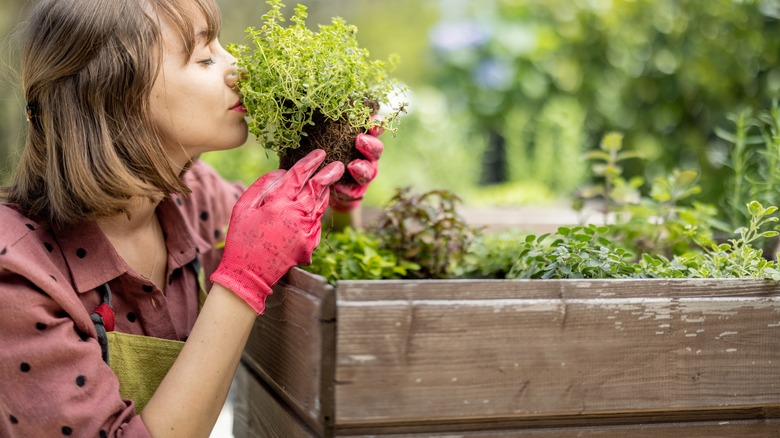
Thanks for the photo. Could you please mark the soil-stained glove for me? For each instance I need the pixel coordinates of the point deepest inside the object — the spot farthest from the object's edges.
(275, 225)
(347, 196)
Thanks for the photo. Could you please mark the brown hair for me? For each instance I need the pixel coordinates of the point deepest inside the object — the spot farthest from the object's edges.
(88, 67)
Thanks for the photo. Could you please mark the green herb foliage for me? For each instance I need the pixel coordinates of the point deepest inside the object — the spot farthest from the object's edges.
(291, 73)
(423, 237)
(753, 159)
(663, 222)
(426, 229)
(357, 254)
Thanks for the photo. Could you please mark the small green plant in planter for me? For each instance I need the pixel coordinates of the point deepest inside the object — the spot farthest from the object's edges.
(305, 90)
(665, 221)
(422, 236)
(425, 228)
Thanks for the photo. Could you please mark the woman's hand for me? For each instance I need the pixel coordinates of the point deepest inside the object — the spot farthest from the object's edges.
(275, 225)
(346, 196)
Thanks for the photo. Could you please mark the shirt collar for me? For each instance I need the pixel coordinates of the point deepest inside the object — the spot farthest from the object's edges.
(181, 238)
(93, 261)
(89, 254)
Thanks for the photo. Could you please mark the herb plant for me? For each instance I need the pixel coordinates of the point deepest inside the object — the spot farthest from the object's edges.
(357, 254)
(294, 79)
(665, 221)
(754, 163)
(426, 229)
(423, 237)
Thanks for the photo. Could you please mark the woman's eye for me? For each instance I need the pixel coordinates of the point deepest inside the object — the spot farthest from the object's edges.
(207, 61)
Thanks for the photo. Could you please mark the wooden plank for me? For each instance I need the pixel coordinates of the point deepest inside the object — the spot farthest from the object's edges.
(713, 429)
(431, 352)
(381, 290)
(259, 414)
(291, 347)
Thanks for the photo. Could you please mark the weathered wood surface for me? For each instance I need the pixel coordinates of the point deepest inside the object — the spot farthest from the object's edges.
(438, 351)
(263, 415)
(714, 429)
(292, 346)
(258, 413)
(480, 358)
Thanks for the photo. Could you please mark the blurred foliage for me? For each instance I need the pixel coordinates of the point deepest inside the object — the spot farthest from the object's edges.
(551, 77)
(12, 115)
(753, 161)
(665, 72)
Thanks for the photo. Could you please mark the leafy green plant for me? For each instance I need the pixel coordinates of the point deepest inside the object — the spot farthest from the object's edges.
(588, 252)
(426, 229)
(754, 161)
(737, 258)
(572, 252)
(665, 221)
(612, 188)
(295, 80)
(423, 237)
(357, 254)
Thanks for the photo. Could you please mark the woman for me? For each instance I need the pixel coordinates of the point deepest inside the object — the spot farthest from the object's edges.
(110, 217)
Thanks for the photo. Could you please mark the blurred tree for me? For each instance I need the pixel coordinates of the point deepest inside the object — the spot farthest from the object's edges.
(665, 72)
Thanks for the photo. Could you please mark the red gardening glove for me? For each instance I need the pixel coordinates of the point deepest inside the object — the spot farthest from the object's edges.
(347, 196)
(275, 225)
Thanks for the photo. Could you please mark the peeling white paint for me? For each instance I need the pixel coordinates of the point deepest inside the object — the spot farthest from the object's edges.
(731, 350)
(361, 358)
(687, 318)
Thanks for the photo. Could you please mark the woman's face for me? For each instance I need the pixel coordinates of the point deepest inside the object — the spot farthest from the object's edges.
(194, 102)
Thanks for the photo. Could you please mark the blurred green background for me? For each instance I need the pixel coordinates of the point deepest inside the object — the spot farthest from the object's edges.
(505, 96)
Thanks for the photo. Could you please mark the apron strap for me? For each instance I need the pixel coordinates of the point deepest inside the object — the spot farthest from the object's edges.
(103, 318)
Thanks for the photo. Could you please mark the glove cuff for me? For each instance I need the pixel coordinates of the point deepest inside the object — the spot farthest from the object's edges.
(252, 292)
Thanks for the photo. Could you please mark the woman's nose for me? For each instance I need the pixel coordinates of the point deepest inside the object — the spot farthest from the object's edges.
(233, 76)
(233, 71)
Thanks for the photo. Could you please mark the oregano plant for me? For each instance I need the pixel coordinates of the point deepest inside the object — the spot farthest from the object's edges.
(312, 89)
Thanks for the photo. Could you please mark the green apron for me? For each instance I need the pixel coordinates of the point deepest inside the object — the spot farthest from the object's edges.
(139, 362)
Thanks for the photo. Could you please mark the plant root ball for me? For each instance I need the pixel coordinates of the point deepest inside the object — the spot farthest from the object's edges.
(335, 137)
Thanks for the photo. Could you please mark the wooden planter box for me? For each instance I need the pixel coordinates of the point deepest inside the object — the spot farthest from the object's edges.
(506, 358)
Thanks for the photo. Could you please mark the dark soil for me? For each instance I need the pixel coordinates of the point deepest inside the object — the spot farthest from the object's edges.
(335, 137)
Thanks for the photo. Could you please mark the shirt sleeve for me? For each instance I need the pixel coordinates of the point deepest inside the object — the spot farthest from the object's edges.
(53, 381)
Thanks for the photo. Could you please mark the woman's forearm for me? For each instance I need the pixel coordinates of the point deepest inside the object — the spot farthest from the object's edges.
(191, 395)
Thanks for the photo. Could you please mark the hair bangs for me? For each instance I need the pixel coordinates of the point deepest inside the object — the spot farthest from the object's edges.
(183, 13)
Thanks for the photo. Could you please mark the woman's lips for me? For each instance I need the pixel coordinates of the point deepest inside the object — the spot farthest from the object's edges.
(238, 107)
